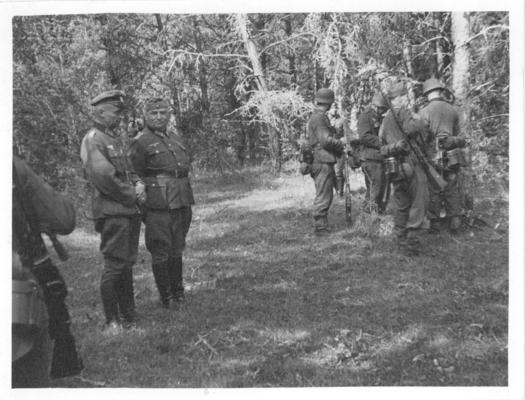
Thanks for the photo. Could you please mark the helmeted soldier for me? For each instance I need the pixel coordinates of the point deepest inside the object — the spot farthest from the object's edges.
(161, 158)
(368, 125)
(116, 193)
(410, 197)
(443, 121)
(326, 148)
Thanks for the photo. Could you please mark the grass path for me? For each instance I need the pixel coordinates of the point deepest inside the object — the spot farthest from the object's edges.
(270, 304)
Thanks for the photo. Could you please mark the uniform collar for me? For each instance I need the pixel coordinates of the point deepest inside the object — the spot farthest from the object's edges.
(103, 128)
(160, 134)
(318, 109)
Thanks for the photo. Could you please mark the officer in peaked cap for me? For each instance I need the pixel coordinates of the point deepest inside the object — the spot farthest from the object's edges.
(160, 157)
(114, 97)
(326, 149)
(116, 193)
(443, 121)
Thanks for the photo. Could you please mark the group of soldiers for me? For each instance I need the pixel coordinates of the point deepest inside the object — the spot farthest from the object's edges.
(419, 153)
(142, 177)
(142, 181)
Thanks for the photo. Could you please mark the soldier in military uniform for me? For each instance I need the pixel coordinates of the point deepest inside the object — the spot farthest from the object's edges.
(160, 157)
(368, 125)
(35, 328)
(117, 190)
(326, 149)
(443, 121)
(343, 133)
(410, 196)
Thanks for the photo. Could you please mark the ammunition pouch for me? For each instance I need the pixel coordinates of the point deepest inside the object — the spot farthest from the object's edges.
(307, 158)
(450, 160)
(452, 142)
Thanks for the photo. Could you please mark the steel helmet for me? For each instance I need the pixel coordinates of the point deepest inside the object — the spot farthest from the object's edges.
(378, 100)
(432, 84)
(324, 96)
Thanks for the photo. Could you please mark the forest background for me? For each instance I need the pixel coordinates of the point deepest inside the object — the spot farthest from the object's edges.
(348, 311)
(241, 85)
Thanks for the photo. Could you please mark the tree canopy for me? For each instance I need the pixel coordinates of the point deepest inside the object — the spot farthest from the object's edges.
(241, 85)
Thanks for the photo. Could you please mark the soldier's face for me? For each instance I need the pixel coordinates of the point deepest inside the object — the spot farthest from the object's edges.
(111, 115)
(379, 111)
(400, 101)
(157, 119)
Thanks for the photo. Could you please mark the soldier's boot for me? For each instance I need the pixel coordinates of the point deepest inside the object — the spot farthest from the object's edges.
(403, 242)
(435, 225)
(340, 186)
(160, 273)
(413, 247)
(109, 301)
(455, 224)
(175, 277)
(126, 298)
(321, 225)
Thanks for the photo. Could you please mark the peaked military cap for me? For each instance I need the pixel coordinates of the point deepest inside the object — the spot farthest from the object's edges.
(115, 97)
(156, 103)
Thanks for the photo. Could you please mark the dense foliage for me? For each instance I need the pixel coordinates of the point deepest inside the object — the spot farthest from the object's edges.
(241, 88)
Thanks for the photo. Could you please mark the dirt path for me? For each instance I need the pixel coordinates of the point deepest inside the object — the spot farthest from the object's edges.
(270, 304)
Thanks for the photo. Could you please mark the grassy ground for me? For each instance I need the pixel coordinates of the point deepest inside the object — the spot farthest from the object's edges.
(270, 304)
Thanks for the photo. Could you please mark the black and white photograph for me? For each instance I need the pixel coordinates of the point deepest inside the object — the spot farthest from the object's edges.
(221, 196)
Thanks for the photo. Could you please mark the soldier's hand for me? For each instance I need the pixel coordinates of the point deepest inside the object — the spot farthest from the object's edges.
(140, 191)
(135, 126)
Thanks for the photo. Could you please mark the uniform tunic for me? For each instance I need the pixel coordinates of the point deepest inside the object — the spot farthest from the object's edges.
(410, 196)
(326, 149)
(54, 213)
(163, 162)
(372, 161)
(443, 121)
(116, 215)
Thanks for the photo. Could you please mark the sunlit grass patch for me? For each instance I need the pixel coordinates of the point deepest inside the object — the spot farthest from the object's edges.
(269, 303)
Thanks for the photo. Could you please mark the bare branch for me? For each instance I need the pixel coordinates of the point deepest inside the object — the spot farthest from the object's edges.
(484, 32)
(298, 36)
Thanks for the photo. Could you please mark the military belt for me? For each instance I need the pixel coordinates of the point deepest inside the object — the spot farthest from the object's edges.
(178, 174)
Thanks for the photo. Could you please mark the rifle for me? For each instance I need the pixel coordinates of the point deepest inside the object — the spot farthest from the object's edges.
(433, 176)
(33, 254)
(386, 193)
(348, 195)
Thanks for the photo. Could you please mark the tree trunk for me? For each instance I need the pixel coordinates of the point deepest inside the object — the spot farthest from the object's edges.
(203, 80)
(241, 26)
(407, 56)
(291, 55)
(460, 66)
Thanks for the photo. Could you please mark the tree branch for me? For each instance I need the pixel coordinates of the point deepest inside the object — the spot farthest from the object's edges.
(483, 32)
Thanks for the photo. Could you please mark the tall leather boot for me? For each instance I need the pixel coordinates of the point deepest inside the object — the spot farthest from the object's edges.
(125, 294)
(175, 277)
(160, 273)
(109, 299)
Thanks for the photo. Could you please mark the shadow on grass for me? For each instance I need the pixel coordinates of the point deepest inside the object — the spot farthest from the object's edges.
(271, 304)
